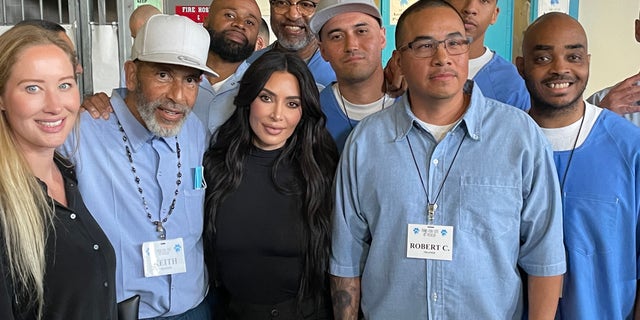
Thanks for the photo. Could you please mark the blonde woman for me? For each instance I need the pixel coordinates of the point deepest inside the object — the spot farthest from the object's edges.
(55, 260)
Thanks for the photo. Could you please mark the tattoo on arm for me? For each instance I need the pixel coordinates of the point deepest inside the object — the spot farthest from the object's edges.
(345, 295)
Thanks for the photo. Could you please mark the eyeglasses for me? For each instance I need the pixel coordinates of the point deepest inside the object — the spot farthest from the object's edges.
(306, 8)
(425, 48)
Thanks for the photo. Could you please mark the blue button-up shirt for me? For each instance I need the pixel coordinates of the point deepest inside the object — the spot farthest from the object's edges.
(111, 195)
(501, 197)
(214, 108)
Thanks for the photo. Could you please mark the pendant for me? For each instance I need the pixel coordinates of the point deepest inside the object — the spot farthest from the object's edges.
(432, 210)
(160, 230)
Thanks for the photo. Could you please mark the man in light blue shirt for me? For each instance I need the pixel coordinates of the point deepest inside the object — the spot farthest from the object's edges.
(233, 26)
(233, 29)
(462, 215)
(140, 171)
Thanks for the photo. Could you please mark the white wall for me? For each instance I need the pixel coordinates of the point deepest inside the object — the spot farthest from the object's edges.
(615, 54)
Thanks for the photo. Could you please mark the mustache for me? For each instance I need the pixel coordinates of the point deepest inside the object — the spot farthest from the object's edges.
(168, 105)
(556, 78)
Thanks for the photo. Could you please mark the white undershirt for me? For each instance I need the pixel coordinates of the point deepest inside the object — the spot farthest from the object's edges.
(359, 111)
(476, 64)
(438, 132)
(563, 139)
(216, 86)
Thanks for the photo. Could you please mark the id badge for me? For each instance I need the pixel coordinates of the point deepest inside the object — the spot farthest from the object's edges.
(163, 257)
(431, 242)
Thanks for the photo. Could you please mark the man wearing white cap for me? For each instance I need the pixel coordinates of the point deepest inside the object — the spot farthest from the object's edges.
(351, 39)
(140, 171)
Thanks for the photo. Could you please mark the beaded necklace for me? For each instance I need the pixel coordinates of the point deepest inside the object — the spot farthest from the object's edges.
(158, 223)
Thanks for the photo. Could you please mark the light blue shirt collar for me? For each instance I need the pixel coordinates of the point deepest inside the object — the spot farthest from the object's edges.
(136, 133)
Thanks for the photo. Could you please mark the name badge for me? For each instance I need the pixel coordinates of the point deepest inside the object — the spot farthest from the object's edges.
(431, 242)
(163, 257)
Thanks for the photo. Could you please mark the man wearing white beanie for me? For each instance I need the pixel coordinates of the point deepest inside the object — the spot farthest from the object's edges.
(140, 171)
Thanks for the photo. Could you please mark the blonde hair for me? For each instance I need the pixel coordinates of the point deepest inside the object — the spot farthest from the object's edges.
(26, 212)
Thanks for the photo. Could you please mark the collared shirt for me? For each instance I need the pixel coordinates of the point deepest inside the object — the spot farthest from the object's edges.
(321, 70)
(501, 197)
(499, 79)
(79, 281)
(214, 108)
(107, 184)
(601, 214)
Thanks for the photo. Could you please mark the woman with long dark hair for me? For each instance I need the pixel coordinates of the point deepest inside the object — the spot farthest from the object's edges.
(268, 203)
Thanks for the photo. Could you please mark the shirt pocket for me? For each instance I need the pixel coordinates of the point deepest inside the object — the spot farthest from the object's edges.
(489, 205)
(194, 209)
(588, 221)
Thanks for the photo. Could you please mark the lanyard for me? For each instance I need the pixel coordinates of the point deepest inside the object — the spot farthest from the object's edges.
(575, 143)
(432, 206)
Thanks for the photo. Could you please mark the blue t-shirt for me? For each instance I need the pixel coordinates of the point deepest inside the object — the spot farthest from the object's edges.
(601, 201)
(499, 80)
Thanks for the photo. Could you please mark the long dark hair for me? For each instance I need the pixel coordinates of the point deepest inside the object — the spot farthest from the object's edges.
(310, 148)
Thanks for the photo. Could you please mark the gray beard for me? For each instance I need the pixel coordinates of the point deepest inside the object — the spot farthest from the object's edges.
(295, 45)
(147, 111)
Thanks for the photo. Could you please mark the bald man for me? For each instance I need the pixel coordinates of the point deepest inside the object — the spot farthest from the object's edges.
(139, 16)
(600, 207)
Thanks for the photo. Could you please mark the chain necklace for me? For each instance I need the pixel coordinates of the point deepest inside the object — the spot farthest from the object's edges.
(344, 105)
(158, 223)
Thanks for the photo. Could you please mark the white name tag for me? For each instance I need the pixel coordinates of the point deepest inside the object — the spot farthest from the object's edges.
(430, 242)
(163, 257)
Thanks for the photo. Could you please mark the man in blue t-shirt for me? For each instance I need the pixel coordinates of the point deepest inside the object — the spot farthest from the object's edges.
(597, 156)
(351, 39)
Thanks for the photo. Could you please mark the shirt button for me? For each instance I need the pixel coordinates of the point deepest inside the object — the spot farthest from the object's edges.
(435, 162)
(106, 284)
(96, 247)
(275, 312)
(434, 296)
(72, 216)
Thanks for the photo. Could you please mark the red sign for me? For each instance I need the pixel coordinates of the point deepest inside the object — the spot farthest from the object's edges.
(195, 13)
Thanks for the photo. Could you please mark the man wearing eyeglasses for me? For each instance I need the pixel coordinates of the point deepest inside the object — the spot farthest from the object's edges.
(462, 215)
(290, 23)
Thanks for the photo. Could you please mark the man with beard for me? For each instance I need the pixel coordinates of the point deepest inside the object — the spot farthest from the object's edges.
(290, 24)
(351, 39)
(233, 28)
(140, 171)
(600, 206)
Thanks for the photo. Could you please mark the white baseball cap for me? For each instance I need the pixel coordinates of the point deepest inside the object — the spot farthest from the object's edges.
(328, 9)
(173, 39)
